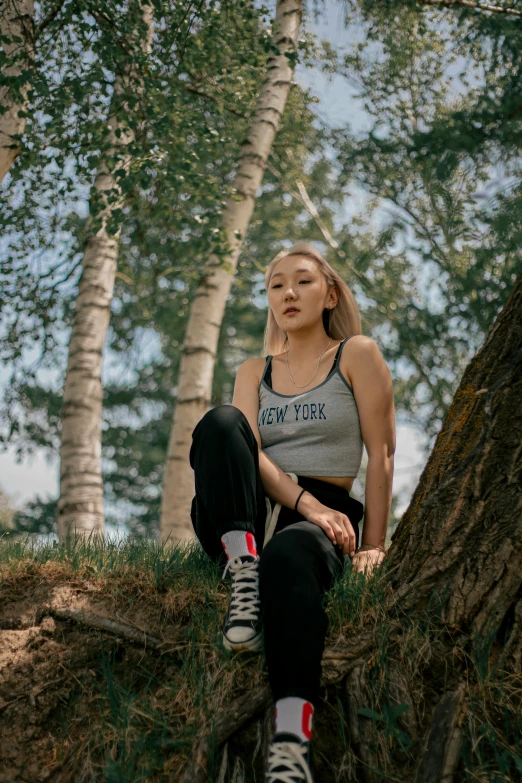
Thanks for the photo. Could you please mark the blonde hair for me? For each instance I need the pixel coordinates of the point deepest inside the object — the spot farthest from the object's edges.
(344, 318)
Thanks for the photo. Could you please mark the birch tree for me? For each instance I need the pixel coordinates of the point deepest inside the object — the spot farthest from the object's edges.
(17, 39)
(208, 306)
(80, 505)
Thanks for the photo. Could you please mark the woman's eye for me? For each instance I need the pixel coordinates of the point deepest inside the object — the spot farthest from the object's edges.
(279, 285)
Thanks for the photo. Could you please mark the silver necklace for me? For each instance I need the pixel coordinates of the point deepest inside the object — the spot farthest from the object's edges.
(299, 386)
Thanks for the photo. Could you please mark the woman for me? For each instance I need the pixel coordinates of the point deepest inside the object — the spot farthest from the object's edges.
(273, 473)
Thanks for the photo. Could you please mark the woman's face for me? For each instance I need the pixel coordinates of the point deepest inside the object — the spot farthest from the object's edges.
(298, 293)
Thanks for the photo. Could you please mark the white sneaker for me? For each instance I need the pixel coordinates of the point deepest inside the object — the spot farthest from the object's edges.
(242, 628)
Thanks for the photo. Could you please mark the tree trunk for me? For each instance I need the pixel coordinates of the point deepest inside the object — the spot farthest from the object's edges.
(201, 339)
(80, 505)
(456, 559)
(459, 544)
(16, 21)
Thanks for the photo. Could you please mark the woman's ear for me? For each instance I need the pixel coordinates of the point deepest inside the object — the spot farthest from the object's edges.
(333, 297)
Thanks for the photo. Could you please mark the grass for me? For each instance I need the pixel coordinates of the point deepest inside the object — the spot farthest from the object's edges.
(132, 715)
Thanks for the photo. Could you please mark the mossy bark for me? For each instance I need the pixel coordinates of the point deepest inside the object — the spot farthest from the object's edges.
(458, 547)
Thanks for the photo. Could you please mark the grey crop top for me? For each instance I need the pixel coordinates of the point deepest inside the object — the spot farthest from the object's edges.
(315, 433)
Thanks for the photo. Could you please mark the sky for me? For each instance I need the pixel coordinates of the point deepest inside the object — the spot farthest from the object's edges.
(337, 104)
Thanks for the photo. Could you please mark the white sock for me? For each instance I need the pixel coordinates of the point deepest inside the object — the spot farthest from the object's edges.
(294, 715)
(238, 543)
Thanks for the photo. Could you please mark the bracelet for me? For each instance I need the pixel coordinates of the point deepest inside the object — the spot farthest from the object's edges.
(366, 547)
(298, 499)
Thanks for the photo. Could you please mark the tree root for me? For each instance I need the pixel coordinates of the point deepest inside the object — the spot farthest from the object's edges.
(357, 693)
(441, 751)
(513, 646)
(227, 722)
(111, 626)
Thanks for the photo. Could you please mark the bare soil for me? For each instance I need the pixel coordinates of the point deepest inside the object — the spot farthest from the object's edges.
(56, 720)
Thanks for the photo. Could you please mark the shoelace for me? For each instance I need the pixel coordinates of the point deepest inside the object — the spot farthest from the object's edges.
(245, 601)
(292, 756)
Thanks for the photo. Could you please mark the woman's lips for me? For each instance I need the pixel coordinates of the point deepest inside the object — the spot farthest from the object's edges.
(291, 312)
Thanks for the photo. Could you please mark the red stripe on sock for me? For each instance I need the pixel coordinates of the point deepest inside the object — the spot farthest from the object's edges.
(308, 711)
(251, 544)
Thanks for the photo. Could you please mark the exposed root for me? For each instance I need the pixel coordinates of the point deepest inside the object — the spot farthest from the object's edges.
(361, 729)
(441, 751)
(104, 624)
(227, 722)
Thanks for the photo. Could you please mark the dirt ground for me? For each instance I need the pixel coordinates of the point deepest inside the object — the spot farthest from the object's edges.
(52, 684)
(44, 664)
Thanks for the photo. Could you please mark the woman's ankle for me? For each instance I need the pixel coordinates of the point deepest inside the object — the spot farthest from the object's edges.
(239, 543)
(294, 715)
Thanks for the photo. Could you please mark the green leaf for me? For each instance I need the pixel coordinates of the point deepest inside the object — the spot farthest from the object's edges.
(367, 713)
(400, 709)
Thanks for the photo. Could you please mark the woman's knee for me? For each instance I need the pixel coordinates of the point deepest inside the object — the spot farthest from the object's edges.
(220, 421)
(287, 552)
(299, 552)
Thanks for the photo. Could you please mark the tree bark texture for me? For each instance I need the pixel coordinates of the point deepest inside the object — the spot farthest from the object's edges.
(458, 548)
(80, 505)
(206, 315)
(16, 22)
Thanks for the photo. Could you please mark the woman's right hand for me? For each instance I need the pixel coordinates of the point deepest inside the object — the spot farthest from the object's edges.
(337, 526)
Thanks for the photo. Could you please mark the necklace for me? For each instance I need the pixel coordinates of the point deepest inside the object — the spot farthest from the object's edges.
(299, 386)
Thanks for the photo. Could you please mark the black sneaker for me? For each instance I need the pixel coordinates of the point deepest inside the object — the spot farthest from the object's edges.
(242, 628)
(288, 760)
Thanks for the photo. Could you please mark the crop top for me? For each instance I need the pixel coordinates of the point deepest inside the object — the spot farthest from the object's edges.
(315, 433)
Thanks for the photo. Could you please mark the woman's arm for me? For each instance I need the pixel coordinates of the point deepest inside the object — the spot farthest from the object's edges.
(373, 392)
(276, 483)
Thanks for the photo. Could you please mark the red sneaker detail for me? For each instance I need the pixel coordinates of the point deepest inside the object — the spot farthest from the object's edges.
(224, 547)
(308, 711)
(251, 544)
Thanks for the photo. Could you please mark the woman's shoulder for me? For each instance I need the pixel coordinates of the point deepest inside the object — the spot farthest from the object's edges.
(358, 352)
(252, 369)
(360, 355)
(361, 345)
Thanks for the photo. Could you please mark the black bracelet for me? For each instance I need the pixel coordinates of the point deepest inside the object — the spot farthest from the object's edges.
(298, 499)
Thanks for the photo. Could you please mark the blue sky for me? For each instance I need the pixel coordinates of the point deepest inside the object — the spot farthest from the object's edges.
(337, 105)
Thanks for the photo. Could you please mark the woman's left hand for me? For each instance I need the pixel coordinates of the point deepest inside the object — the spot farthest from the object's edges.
(366, 560)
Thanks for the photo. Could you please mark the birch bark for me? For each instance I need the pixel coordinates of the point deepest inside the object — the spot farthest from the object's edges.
(201, 339)
(80, 505)
(16, 22)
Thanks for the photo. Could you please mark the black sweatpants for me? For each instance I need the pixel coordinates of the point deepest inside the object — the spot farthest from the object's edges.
(296, 568)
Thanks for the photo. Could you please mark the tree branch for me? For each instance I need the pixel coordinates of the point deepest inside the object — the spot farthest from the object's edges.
(497, 9)
(46, 21)
(191, 88)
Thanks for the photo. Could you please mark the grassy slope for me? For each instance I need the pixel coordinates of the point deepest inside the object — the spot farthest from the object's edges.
(81, 704)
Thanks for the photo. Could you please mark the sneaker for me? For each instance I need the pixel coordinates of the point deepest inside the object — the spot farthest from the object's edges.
(288, 760)
(242, 626)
